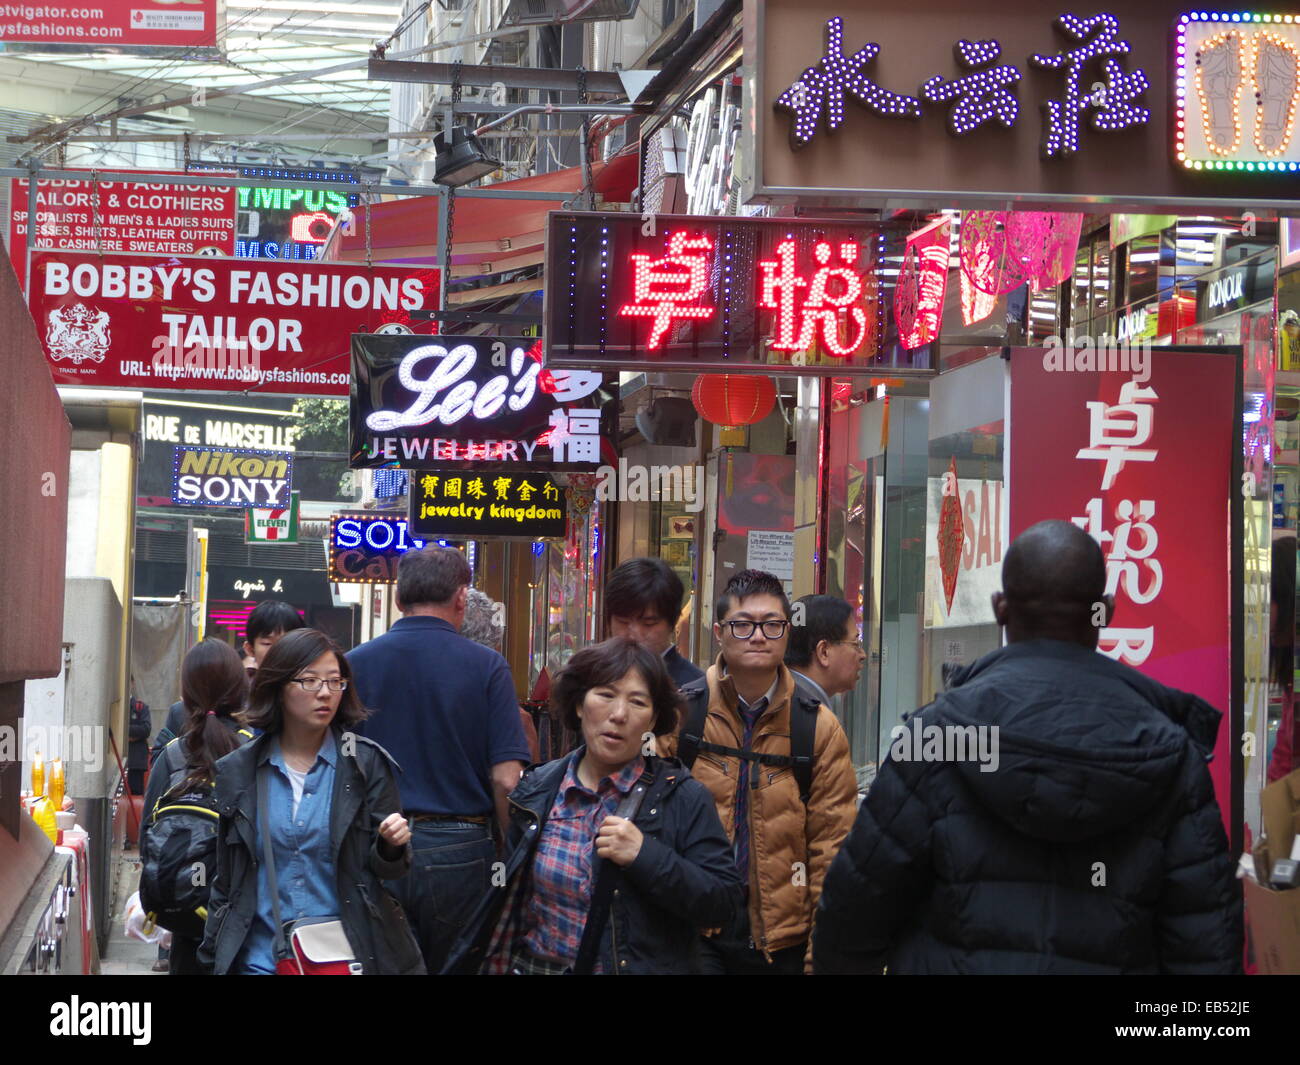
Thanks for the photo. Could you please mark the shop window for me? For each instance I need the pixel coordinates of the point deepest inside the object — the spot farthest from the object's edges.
(1142, 278)
(1102, 300)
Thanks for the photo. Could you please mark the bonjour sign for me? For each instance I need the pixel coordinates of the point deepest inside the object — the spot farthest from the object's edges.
(231, 477)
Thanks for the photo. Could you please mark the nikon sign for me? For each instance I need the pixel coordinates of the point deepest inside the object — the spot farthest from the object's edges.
(223, 477)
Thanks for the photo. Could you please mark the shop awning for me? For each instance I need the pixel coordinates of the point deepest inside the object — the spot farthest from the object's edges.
(490, 236)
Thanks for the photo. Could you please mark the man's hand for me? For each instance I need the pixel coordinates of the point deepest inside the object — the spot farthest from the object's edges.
(395, 831)
(618, 841)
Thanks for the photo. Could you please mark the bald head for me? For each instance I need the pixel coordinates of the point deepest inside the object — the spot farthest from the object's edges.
(1053, 577)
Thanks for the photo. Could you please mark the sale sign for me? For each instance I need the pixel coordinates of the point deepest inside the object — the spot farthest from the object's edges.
(117, 217)
(213, 324)
(1143, 462)
(116, 25)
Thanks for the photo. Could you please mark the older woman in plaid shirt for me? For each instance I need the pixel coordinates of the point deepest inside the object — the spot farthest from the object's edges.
(616, 856)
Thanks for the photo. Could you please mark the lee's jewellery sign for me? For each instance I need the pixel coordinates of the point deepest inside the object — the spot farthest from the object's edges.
(422, 402)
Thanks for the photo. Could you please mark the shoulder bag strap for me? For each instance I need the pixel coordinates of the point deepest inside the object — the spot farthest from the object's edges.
(692, 731)
(603, 890)
(803, 735)
(268, 857)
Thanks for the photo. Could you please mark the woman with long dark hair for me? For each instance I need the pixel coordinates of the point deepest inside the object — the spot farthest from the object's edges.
(213, 688)
(617, 858)
(310, 827)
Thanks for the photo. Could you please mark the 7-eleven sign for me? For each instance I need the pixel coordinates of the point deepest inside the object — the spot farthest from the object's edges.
(272, 525)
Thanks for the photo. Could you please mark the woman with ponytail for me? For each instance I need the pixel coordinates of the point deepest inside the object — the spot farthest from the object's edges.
(214, 687)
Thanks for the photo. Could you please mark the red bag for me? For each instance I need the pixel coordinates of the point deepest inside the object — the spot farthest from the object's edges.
(318, 946)
(314, 946)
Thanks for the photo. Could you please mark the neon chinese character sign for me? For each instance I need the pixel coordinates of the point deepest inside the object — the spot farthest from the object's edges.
(669, 287)
(830, 300)
(984, 95)
(721, 294)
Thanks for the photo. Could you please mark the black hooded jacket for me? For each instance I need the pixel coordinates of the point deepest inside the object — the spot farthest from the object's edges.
(1094, 846)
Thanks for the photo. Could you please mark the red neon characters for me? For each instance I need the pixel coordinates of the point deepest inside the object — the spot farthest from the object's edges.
(821, 310)
(668, 288)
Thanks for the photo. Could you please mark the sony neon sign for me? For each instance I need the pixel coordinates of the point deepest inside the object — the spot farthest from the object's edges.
(366, 548)
(379, 534)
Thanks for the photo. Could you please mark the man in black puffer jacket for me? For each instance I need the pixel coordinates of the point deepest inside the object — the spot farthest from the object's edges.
(1084, 838)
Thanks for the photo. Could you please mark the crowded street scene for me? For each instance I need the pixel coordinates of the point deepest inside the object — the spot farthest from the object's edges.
(650, 487)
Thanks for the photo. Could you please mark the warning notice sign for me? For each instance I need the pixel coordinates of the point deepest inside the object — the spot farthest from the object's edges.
(145, 219)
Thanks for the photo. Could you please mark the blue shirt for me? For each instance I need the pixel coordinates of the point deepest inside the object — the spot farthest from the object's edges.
(445, 708)
(304, 860)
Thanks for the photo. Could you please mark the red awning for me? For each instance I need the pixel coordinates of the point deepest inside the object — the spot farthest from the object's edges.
(491, 235)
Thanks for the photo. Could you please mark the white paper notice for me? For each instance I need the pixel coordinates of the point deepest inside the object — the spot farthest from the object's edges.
(772, 552)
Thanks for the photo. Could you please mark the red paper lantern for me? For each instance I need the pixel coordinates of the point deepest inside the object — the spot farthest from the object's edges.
(733, 399)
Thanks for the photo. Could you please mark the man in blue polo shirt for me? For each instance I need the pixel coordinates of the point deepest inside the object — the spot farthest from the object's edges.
(445, 708)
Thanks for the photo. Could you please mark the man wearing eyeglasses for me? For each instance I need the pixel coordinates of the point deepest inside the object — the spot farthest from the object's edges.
(825, 652)
(782, 844)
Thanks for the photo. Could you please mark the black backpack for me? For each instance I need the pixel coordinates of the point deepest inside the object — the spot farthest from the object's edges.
(178, 860)
(803, 729)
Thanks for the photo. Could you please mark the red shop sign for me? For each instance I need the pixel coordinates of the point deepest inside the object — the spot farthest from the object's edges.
(117, 217)
(1141, 458)
(114, 24)
(218, 325)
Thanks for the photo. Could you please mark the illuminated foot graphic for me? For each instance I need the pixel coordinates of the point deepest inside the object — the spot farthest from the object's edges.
(1277, 64)
(1219, 83)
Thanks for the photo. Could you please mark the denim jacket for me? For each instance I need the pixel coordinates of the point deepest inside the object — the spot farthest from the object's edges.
(364, 793)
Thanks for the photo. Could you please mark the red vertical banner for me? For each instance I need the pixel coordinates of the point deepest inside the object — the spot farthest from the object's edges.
(1141, 457)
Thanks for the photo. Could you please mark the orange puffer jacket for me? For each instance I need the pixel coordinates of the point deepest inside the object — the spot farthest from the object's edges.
(791, 846)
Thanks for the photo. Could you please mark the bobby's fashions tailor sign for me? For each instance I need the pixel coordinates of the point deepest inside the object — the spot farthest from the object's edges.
(213, 324)
(419, 402)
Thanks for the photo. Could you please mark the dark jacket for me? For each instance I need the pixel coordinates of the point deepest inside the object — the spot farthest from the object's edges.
(684, 878)
(173, 726)
(137, 732)
(682, 670)
(365, 792)
(1096, 846)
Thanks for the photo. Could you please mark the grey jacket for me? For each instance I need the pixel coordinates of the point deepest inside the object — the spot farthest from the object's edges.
(365, 792)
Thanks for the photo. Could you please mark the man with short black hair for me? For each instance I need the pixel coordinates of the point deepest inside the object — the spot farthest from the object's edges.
(446, 708)
(1089, 842)
(825, 652)
(748, 714)
(643, 601)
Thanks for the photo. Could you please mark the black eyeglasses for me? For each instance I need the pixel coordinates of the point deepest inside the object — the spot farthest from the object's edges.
(744, 630)
(313, 684)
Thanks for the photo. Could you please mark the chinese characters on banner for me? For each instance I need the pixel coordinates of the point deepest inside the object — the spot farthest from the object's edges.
(983, 95)
(487, 505)
(479, 401)
(1144, 466)
(922, 284)
(734, 293)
